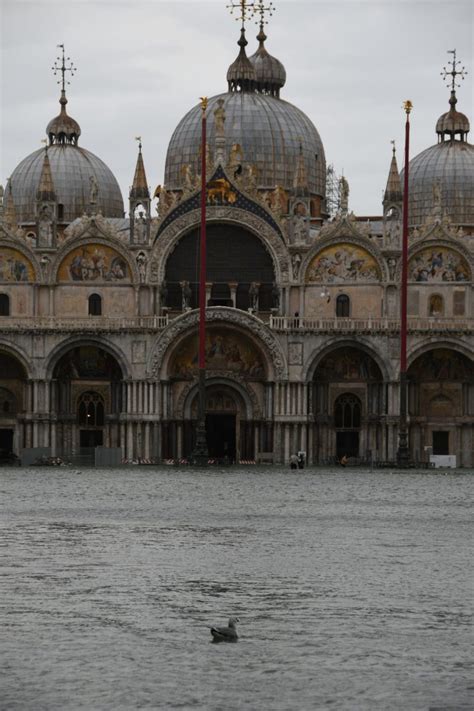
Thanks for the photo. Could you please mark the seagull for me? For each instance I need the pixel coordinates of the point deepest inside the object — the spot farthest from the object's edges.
(225, 634)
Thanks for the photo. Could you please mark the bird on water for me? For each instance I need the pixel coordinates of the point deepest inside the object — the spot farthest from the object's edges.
(225, 634)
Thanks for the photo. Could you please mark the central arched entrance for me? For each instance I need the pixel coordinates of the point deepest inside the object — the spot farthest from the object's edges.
(226, 422)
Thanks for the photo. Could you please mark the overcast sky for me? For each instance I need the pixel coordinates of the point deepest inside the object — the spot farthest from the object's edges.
(142, 65)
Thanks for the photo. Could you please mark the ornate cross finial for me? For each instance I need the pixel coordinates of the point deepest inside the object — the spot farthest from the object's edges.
(63, 68)
(393, 146)
(246, 10)
(261, 9)
(453, 72)
(139, 139)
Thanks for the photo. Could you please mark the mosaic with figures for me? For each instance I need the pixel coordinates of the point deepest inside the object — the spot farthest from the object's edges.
(14, 266)
(438, 265)
(94, 262)
(442, 364)
(224, 351)
(343, 263)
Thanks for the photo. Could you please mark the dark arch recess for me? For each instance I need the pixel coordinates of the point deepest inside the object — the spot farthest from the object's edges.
(233, 255)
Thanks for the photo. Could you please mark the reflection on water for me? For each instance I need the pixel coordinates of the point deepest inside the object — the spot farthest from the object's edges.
(352, 589)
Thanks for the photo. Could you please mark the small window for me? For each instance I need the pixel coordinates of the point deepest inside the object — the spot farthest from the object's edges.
(459, 301)
(95, 305)
(436, 305)
(4, 305)
(343, 304)
(60, 211)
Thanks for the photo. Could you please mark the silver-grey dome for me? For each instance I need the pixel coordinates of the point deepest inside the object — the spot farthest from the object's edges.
(71, 170)
(269, 132)
(447, 167)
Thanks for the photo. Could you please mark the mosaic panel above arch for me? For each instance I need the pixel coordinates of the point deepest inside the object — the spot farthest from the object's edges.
(442, 364)
(226, 351)
(94, 262)
(348, 364)
(438, 264)
(343, 263)
(14, 266)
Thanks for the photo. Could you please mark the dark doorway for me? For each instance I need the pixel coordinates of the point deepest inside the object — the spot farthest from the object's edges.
(440, 442)
(220, 431)
(91, 438)
(347, 444)
(6, 443)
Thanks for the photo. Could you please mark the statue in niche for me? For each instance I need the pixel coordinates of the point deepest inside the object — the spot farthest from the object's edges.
(344, 195)
(93, 190)
(275, 295)
(140, 228)
(186, 295)
(251, 181)
(391, 263)
(219, 119)
(295, 262)
(253, 296)
(141, 264)
(437, 209)
(392, 234)
(235, 159)
(300, 230)
(163, 294)
(46, 227)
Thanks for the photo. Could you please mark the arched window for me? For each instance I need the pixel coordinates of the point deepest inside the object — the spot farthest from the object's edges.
(60, 211)
(347, 412)
(4, 305)
(343, 305)
(436, 305)
(95, 305)
(91, 410)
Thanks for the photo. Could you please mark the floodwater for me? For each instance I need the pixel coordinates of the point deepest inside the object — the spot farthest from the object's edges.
(353, 589)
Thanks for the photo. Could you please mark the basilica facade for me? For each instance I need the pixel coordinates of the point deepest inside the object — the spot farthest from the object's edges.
(98, 308)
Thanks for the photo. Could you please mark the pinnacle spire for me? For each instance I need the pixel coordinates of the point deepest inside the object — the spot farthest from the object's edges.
(9, 211)
(46, 186)
(300, 181)
(139, 189)
(393, 191)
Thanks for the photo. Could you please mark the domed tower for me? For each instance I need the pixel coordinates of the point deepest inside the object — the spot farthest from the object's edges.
(272, 137)
(442, 177)
(79, 177)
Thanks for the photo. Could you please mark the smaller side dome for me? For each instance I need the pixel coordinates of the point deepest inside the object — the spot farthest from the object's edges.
(63, 129)
(453, 122)
(270, 74)
(241, 74)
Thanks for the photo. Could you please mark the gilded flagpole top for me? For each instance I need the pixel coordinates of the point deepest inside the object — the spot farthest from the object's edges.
(203, 103)
(407, 105)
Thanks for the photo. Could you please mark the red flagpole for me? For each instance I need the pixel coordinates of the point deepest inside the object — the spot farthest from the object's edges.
(200, 456)
(202, 271)
(403, 453)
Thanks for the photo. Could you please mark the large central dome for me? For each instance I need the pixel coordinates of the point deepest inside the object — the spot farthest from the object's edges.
(272, 133)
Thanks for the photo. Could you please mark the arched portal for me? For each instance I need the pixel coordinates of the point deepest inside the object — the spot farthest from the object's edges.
(235, 259)
(13, 382)
(236, 381)
(441, 404)
(348, 401)
(87, 399)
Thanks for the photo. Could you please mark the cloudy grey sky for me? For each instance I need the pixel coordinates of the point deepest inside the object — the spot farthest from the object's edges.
(143, 65)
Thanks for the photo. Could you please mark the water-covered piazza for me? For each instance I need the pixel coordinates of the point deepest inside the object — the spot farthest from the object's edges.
(353, 589)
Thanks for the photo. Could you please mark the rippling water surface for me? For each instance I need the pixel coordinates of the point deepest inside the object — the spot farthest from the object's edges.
(353, 589)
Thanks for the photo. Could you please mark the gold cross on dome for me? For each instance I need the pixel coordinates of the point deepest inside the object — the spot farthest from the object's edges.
(452, 71)
(261, 9)
(246, 10)
(63, 68)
